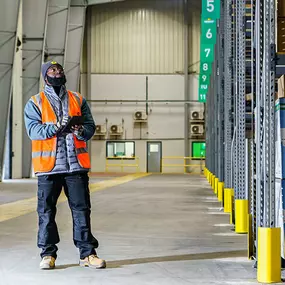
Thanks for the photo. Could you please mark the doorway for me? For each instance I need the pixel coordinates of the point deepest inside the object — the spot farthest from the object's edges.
(154, 155)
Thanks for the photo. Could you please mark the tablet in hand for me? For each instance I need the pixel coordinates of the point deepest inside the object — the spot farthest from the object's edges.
(73, 121)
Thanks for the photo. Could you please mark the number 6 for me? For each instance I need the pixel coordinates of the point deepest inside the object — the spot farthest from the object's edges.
(209, 34)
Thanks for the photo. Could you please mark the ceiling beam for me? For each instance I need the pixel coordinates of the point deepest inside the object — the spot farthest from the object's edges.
(91, 2)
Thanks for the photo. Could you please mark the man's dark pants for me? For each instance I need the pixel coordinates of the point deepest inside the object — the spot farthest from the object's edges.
(77, 192)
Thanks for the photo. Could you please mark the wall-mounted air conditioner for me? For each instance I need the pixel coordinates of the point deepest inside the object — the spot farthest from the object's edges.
(100, 130)
(197, 115)
(197, 129)
(140, 116)
(116, 130)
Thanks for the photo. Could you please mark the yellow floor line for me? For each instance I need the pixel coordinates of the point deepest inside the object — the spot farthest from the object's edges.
(19, 208)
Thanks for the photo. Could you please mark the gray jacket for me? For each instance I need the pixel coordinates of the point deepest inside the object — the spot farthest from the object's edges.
(66, 159)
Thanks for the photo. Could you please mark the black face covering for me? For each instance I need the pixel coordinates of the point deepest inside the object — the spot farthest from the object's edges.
(56, 81)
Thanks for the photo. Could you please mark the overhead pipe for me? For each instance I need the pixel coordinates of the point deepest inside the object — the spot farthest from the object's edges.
(142, 101)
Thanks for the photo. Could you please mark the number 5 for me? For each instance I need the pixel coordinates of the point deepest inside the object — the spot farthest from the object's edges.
(210, 6)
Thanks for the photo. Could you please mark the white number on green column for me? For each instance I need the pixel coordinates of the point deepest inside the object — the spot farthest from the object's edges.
(207, 50)
(210, 6)
(211, 9)
(207, 53)
(202, 97)
(209, 34)
(205, 67)
(204, 79)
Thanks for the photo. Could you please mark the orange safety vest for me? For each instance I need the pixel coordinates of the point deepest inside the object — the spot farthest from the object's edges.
(44, 151)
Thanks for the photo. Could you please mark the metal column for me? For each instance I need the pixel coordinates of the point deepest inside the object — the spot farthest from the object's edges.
(240, 183)
(234, 159)
(75, 33)
(240, 190)
(216, 113)
(220, 95)
(34, 31)
(8, 23)
(268, 93)
(252, 182)
(57, 25)
(265, 96)
(269, 253)
(15, 129)
(228, 118)
(259, 114)
(186, 81)
(210, 147)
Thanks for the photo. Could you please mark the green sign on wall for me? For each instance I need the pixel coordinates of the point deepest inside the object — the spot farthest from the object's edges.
(207, 53)
(205, 68)
(210, 15)
(209, 31)
(202, 97)
(211, 9)
(204, 78)
(203, 90)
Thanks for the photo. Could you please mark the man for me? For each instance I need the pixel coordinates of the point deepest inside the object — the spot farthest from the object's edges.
(61, 160)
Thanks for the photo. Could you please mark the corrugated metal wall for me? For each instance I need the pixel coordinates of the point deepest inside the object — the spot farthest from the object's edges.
(194, 36)
(143, 36)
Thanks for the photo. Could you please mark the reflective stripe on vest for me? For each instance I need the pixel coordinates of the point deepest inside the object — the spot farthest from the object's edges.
(44, 151)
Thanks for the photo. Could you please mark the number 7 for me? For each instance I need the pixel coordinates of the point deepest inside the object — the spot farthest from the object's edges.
(207, 50)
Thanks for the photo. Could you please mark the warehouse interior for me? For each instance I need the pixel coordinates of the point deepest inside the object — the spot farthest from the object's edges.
(187, 172)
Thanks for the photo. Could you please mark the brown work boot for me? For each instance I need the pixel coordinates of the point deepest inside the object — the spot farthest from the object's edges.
(93, 261)
(48, 262)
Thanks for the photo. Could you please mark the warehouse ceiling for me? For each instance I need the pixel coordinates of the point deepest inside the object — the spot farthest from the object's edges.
(95, 2)
(91, 2)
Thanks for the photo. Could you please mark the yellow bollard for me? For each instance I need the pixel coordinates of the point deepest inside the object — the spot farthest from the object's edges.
(227, 200)
(241, 216)
(220, 191)
(250, 239)
(216, 186)
(213, 182)
(269, 255)
(231, 209)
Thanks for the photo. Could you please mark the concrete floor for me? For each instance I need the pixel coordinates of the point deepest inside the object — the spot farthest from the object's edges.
(159, 229)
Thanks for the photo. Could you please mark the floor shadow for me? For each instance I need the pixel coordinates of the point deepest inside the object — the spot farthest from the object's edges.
(65, 266)
(184, 257)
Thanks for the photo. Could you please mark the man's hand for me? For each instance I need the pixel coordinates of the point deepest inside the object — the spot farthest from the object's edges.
(61, 124)
(77, 130)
